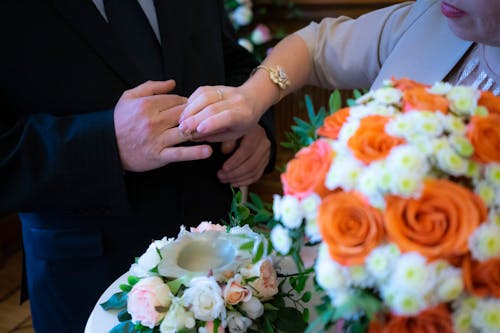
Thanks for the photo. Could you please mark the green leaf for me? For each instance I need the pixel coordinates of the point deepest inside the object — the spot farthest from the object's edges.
(321, 321)
(260, 253)
(117, 301)
(125, 287)
(132, 280)
(268, 328)
(124, 315)
(243, 212)
(175, 285)
(248, 246)
(309, 107)
(124, 327)
(335, 101)
(270, 307)
(256, 199)
(306, 297)
(290, 320)
(306, 315)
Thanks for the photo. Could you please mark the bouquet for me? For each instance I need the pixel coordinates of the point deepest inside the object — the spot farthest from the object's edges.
(212, 278)
(401, 193)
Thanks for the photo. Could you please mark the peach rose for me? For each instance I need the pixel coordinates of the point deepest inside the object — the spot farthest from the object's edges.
(148, 301)
(307, 171)
(482, 279)
(436, 320)
(370, 142)
(266, 285)
(350, 227)
(484, 134)
(421, 99)
(235, 293)
(437, 224)
(333, 123)
(489, 101)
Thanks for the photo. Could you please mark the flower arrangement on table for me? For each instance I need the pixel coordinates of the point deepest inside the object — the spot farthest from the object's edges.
(212, 278)
(401, 193)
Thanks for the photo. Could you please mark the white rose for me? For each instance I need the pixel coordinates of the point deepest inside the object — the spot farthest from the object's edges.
(237, 323)
(246, 44)
(253, 308)
(204, 298)
(291, 212)
(242, 15)
(177, 318)
(149, 259)
(280, 239)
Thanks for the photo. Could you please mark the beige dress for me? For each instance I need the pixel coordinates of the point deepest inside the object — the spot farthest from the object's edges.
(411, 39)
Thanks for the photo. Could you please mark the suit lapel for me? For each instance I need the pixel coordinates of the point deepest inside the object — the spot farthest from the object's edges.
(173, 23)
(85, 18)
(442, 51)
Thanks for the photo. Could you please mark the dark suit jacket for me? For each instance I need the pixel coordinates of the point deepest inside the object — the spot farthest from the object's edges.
(61, 73)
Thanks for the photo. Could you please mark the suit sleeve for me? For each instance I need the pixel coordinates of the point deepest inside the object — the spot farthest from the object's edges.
(65, 163)
(239, 63)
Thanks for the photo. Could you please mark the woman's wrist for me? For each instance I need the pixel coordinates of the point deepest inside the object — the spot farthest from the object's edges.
(261, 91)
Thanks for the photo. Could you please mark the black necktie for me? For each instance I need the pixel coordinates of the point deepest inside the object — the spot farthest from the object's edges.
(130, 24)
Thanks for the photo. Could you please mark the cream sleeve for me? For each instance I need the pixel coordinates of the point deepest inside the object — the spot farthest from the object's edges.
(348, 53)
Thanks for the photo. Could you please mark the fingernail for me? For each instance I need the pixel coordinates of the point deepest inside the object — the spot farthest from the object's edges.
(182, 127)
(207, 151)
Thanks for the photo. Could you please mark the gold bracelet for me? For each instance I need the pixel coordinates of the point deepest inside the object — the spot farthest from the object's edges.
(278, 76)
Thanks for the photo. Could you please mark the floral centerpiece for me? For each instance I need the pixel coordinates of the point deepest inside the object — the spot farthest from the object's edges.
(401, 192)
(212, 278)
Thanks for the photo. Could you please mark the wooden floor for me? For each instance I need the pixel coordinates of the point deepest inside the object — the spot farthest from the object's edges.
(14, 317)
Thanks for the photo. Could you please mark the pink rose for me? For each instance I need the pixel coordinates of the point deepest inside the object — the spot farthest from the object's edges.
(148, 301)
(209, 328)
(235, 293)
(266, 285)
(261, 34)
(208, 226)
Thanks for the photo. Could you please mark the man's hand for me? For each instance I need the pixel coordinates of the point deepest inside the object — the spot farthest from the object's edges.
(146, 121)
(248, 162)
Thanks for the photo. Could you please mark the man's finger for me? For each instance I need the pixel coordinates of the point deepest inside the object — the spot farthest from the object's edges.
(169, 118)
(150, 88)
(179, 154)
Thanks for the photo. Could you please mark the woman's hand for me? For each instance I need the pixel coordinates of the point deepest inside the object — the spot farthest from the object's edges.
(218, 113)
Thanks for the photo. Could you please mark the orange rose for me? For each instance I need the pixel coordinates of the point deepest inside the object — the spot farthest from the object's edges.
(489, 101)
(350, 227)
(437, 320)
(405, 84)
(420, 99)
(484, 134)
(370, 142)
(307, 171)
(437, 224)
(333, 123)
(482, 279)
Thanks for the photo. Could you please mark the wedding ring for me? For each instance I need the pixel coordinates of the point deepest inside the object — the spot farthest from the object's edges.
(219, 93)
